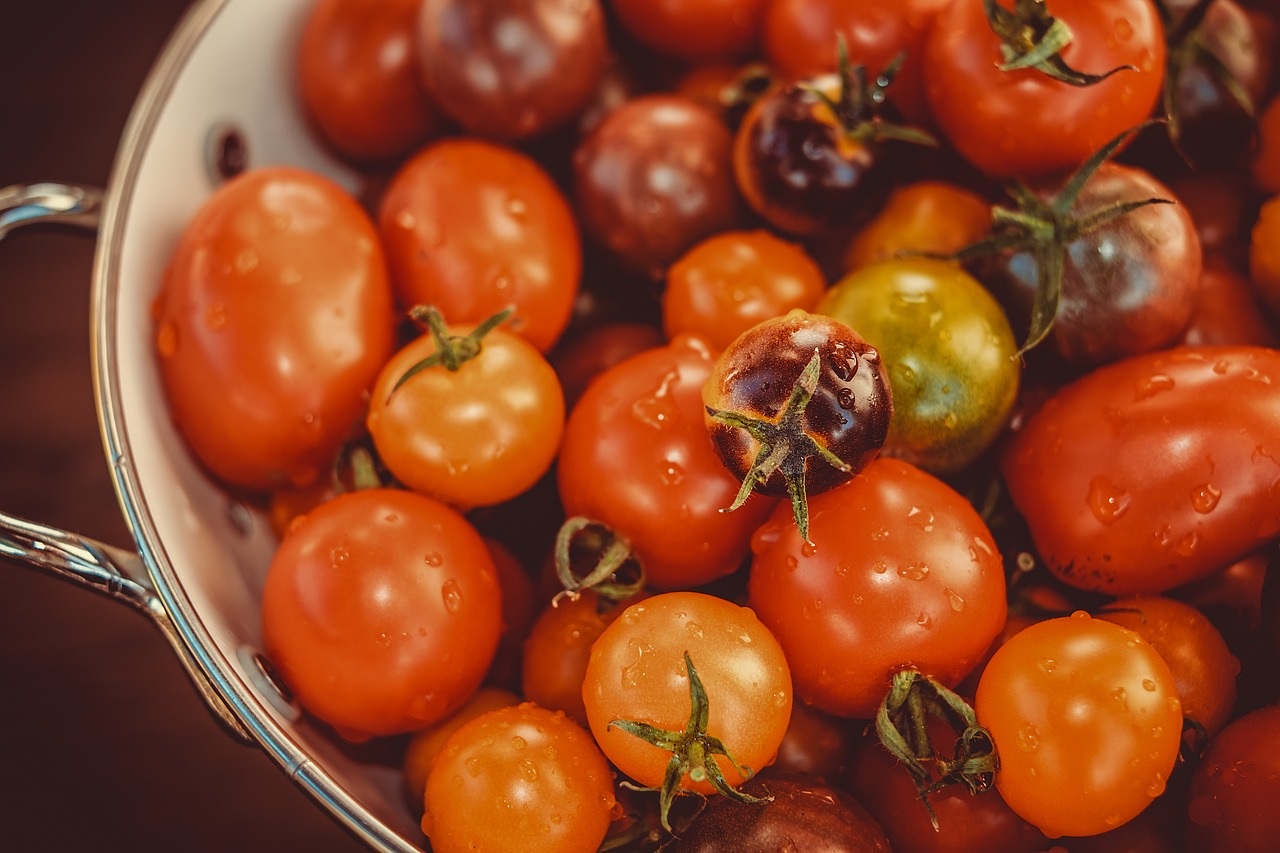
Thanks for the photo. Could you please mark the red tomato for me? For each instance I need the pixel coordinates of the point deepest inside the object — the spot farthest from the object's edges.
(901, 573)
(699, 31)
(381, 611)
(1154, 471)
(1227, 311)
(1236, 786)
(358, 79)
(519, 778)
(1023, 123)
(1086, 717)
(636, 457)
(274, 319)
(472, 227)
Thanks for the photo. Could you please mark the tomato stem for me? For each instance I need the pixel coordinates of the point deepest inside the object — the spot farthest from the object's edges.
(452, 351)
(613, 551)
(1032, 38)
(856, 106)
(692, 751)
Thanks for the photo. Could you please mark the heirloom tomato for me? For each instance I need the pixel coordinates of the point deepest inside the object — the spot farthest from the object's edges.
(1154, 471)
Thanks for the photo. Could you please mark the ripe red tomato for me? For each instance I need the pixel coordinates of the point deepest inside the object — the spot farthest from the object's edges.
(636, 457)
(637, 672)
(1086, 717)
(381, 611)
(901, 572)
(697, 31)
(1155, 471)
(519, 778)
(1234, 789)
(274, 318)
(358, 78)
(1023, 123)
(473, 436)
(472, 227)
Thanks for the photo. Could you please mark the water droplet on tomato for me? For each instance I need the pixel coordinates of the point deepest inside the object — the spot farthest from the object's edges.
(658, 409)
(1122, 698)
(1188, 544)
(338, 555)
(1028, 738)
(246, 261)
(1152, 385)
(383, 640)
(671, 474)
(518, 742)
(451, 594)
(880, 567)
(846, 399)
(1148, 685)
(215, 316)
(1106, 500)
(957, 601)
(915, 571)
(517, 207)
(921, 518)
(950, 420)
(1047, 664)
(924, 620)
(808, 549)
(433, 558)
(1205, 497)
(879, 534)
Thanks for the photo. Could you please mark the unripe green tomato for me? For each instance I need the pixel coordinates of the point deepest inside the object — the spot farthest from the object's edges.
(949, 351)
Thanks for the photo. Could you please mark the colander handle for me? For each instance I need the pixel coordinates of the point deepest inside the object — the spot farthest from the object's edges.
(116, 573)
(48, 204)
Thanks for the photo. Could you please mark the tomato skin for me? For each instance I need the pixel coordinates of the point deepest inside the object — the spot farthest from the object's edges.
(902, 572)
(925, 216)
(519, 778)
(472, 227)
(699, 32)
(637, 672)
(1023, 123)
(1086, 717)
(1264, 254)
(358, 79)
(274, 319)
(1161, 466)
(1227, 311)
(475, 436)
(1235, 787)
(636, 457)
(381, 611)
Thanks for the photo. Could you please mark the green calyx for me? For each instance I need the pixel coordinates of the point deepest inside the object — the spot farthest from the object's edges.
(902, 726)
(1032, 38)
(692, 751)
(785, 446)
(452, 351)
(856, 106)
(611, 552)
(1046, 229)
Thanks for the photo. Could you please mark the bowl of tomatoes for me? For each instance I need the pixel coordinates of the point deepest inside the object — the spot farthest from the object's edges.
(581, 424)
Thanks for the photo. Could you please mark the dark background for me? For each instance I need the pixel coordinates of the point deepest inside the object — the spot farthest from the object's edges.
(104, 744)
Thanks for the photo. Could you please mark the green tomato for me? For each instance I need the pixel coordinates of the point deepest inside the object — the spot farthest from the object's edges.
(949, 350)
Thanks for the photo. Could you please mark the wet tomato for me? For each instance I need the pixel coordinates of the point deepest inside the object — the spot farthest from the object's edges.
(274, 318)
(1163, 469)
(1087, 720)
(1234, 788)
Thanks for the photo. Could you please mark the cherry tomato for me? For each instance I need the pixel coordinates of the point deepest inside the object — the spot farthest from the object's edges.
(954, 385)
(1161, 466)
(381, 611)
(358, 77)
(474, 434)
(274, 318)
(1204, 670)
(637, 672)
(901, 572)
(735, 279)
(1235, 787)
(817, 745)
(1087, 720)
(472, 227)
(511, 69)
(636, 457)
(1227, 311)
(1265, 162)
(519, 778)
(698, 31)
(1264, 255)
(1022, 122)
(926, 216)
(583, 356)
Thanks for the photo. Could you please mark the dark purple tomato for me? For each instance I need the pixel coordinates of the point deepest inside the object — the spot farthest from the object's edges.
(511, 69)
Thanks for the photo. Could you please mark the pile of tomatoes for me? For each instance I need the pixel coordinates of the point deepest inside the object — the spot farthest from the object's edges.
(768, 424)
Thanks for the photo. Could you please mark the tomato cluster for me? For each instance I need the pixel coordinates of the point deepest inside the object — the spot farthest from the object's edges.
(768, 424)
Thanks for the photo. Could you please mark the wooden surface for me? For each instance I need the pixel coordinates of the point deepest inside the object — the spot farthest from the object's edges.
(104, 744)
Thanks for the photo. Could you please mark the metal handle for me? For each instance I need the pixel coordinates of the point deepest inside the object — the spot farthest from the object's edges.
(115, 573)
(49, 204)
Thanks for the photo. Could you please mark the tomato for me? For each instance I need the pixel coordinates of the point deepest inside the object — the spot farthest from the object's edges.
(697, 31)
(637, 672)
(800, 41)
(358, 77)
(953, 387)
(1023, 123)
(796, 405)
(925, 216)
(1264, 255)
(796, 814)
(817, 744)
(519, 778)
(1227, 311)
(581, 357)
(1204, 670)
(1087, 720)
(474, 434)
(653, 178)
(636, 457)
(519, 610)
(1264, 165)
(735, 279)
(472, 227)
(511, 69)
(427, 743)
(901, 572)
(381, 611)
(274, 318)
(1161, 469)
(1235, 787)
